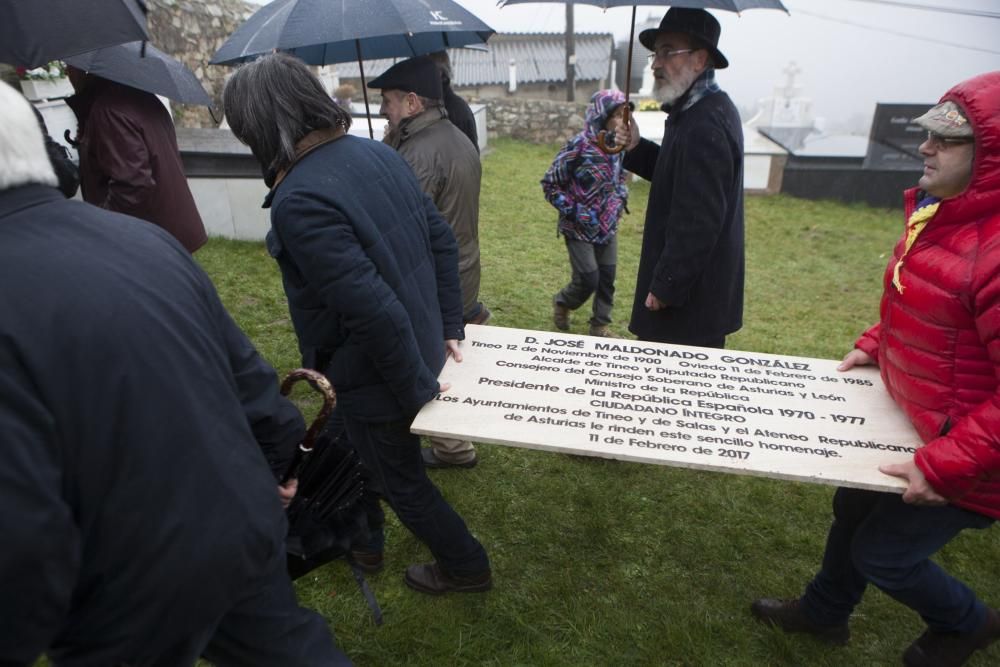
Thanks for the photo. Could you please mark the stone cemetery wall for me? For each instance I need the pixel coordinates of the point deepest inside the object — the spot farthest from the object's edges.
(191, 31)
(535, 121)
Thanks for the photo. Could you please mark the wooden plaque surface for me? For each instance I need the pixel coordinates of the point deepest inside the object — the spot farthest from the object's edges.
(746, 413)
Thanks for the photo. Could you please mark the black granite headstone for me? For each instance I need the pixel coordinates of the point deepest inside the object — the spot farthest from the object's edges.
(894, 139)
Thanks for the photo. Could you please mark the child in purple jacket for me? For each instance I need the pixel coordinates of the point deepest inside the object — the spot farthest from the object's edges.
(587, 187)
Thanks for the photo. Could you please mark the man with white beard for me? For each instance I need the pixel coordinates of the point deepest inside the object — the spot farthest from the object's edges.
(689, 289)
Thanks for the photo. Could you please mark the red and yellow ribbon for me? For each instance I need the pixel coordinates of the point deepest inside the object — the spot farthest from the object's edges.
(918, 220)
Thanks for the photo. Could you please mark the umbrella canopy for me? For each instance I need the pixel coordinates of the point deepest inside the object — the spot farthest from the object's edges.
(321, 32)
(33, 32)
(153, 71)
(726, 5)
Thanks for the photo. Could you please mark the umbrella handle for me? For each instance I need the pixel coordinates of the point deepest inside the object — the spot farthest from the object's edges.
(612, 149)
(626, 115)
(320, 383)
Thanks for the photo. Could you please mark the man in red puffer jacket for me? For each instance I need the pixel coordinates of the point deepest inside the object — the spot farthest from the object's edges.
(938, 346)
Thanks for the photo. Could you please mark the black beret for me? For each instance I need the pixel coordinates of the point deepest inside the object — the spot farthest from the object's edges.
(415, 75)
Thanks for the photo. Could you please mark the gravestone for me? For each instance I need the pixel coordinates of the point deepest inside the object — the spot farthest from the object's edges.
(746, 413)
(894, 140)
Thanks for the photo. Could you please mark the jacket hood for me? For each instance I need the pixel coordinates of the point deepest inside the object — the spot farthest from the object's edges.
(602, 104)
(979, 98)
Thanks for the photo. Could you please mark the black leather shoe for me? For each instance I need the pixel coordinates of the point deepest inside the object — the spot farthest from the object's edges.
(432, 461)
(369, 562)
(950, 649)
(787, 615)
(431, 579)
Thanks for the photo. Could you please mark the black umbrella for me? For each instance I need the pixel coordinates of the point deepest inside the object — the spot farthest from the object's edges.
(322, 32)
(143, 66)
(327, 517)
(727, 5)
(33, 32)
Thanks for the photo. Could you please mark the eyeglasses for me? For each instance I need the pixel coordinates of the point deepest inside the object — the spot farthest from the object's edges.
(664, 54)
(941, 143)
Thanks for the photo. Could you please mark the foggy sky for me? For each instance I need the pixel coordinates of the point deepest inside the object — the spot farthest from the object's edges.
(846, 69)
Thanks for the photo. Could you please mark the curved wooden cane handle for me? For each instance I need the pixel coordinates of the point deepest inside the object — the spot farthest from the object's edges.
(612, 149)
(320, 383)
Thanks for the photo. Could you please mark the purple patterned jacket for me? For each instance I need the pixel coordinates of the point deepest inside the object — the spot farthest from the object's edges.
(585, 184)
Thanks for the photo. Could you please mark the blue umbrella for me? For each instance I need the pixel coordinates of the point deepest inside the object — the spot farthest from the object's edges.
(322, 32)
(33, 32)
(151, 70)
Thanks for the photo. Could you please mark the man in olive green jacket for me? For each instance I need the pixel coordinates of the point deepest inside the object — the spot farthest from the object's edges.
(447, 166)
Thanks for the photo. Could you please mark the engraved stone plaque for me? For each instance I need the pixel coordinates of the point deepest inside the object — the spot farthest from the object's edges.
(746, 413)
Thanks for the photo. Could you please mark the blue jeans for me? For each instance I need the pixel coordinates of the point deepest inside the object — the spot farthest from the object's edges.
(392, 455)
(877, 538)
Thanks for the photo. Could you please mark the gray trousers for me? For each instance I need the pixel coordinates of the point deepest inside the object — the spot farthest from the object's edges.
(451, 450)
(593, 269)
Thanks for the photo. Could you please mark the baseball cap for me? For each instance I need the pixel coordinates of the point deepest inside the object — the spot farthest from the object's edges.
(947, 120)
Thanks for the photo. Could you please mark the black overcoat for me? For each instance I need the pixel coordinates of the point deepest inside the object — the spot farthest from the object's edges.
(460, 114)
(692, 243)
(135, 503)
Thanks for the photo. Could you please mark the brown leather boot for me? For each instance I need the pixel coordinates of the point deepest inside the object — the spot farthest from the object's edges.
(950, 649)
(560, 315)
(787, 615)
(431, 579)
(602, 331)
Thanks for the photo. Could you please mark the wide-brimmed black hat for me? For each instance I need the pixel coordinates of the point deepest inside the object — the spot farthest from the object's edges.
(415, 75)
(696, 23)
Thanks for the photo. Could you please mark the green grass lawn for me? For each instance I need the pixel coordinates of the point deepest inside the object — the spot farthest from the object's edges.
(598, 562)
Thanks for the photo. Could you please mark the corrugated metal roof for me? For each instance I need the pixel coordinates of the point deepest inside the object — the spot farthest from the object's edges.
(540, 58)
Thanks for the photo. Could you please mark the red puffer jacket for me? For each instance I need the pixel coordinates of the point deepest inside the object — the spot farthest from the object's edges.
(938, 343)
